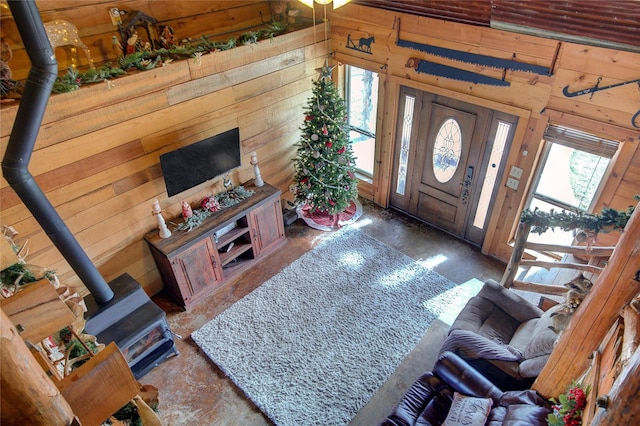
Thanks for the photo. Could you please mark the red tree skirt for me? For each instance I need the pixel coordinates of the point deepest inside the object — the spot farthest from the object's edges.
(325, 222)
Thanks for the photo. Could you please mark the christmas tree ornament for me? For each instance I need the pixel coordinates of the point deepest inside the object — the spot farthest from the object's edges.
(315, 137)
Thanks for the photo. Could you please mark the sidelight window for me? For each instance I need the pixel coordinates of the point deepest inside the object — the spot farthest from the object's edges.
(403, 161)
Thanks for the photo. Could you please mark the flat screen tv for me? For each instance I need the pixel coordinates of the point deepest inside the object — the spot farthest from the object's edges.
(199, 162)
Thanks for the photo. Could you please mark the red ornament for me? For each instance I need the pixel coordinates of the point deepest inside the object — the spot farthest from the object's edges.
(329, 144)
(308, 118)
(341, 150)
(325, 132)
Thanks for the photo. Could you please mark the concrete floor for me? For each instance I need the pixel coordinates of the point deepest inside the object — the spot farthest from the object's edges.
(193, 391)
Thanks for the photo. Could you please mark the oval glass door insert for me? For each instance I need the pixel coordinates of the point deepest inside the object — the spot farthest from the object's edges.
(447, 149)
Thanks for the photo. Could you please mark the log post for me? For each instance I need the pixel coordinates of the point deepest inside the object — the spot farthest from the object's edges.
(623, 397)
(29, 397)
(615, 287)
(522, 233)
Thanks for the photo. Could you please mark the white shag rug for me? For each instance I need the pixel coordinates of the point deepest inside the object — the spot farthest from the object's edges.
(313, 344)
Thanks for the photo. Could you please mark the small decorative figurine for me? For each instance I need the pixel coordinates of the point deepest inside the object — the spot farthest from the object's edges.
(132, 43)
(117, 47)
(157, 212)
(226, 182)
(167, 37)
(64, 33)
(186, 210)
(256, 170)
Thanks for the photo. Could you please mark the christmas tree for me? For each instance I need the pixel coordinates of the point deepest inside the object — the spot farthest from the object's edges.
(324, 177)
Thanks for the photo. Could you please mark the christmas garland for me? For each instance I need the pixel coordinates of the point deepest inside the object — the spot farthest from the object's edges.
(608, 220)
(210, 205)
(147, 60)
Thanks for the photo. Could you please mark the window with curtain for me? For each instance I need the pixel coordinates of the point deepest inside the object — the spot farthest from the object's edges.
(571, 171)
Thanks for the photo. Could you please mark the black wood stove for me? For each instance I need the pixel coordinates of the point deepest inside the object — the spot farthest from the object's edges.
(137, 325)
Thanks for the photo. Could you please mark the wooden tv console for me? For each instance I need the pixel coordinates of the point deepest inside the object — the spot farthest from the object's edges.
(196, 263)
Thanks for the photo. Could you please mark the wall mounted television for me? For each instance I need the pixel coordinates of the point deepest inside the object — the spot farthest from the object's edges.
(199, 162)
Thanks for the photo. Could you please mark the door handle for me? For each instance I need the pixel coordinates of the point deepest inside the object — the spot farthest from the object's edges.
(466, 185)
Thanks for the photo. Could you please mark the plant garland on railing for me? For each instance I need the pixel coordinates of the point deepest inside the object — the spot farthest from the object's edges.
(608, 220)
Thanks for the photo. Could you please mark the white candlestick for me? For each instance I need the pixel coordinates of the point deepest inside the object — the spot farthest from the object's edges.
(157, 212)
(256, 170)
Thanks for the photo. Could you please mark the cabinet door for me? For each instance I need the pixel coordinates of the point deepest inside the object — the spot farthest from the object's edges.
(267, 227)
(197, 268)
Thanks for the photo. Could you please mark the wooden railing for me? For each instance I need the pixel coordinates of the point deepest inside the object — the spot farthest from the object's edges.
(521, 245)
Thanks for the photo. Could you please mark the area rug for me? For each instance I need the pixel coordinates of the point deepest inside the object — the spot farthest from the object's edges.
(314, 343)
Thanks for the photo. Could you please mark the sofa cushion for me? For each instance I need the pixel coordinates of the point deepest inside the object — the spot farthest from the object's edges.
(531, 368)
(509, 301)
(486, 319)
(520, 408)
(543, 338)
(468, 410)
(470, 345)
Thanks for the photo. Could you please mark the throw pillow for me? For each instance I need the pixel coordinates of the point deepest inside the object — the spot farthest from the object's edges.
(543, 339)
(468, 411)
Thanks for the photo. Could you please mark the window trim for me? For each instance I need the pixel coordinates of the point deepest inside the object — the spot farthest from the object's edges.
(364, 175)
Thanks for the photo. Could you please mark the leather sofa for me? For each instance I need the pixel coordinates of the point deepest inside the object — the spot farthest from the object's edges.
(430, 398)
(503, 336)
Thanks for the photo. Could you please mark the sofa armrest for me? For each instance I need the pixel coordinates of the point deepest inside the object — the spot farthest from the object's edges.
(463, 378)
(510, 302)
(429, 397)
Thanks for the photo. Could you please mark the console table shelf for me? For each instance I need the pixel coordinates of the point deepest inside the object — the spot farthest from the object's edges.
(195, 264)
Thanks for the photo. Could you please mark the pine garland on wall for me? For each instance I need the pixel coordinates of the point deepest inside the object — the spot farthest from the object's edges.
(147, 60)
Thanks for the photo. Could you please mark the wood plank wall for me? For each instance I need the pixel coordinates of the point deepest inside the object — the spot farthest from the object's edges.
(536, 99)
(97, 153)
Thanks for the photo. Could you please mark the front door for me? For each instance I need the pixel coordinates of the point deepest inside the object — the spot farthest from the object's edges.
(443, 145)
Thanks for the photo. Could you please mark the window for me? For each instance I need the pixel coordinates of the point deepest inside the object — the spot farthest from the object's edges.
(362, 107)
(500, 141)
(571, 171)
(403, 161)
(447, 149)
